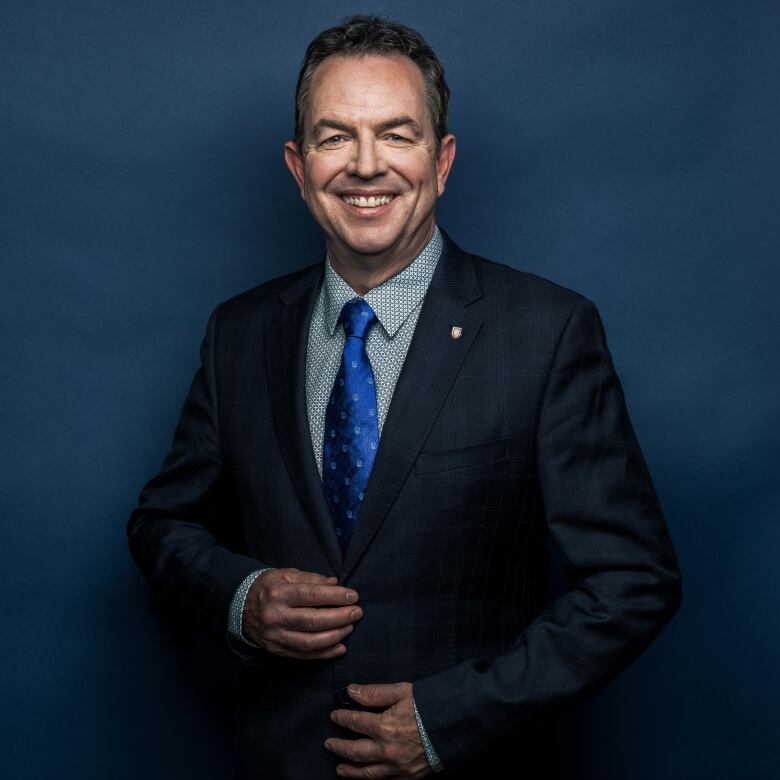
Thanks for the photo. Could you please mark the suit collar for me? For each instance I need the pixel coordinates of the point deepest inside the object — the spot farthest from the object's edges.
(393, 300)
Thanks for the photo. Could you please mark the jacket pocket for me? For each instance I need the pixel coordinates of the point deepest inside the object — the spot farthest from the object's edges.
(489, 452)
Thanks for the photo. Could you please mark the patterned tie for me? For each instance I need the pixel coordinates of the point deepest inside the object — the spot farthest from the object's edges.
(351, 430)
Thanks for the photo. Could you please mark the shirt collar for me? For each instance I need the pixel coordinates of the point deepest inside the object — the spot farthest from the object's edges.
(393, 300)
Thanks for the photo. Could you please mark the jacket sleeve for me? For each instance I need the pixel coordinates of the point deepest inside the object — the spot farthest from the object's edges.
(184, 532)
(603, 513)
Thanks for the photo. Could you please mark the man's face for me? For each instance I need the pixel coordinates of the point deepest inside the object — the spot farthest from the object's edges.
(369, 133)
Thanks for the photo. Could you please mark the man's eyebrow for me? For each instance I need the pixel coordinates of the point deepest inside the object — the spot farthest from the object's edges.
(396, 121)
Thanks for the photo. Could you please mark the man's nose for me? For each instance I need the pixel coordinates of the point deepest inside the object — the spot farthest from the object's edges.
(368, 160)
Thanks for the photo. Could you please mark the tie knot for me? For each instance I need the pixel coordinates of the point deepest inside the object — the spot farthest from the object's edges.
(357, 317)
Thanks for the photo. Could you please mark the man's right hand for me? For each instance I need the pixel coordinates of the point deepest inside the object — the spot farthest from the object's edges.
(299, 614)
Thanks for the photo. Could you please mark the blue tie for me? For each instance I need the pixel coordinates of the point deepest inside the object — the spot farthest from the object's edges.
(351, 429)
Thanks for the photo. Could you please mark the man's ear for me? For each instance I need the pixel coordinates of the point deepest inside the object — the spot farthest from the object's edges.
(295, 163)
(444, 160)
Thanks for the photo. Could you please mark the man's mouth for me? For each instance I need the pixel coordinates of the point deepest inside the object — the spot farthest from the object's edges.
(367, 203)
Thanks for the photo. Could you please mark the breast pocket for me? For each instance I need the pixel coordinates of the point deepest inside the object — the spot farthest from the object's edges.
(476, 455)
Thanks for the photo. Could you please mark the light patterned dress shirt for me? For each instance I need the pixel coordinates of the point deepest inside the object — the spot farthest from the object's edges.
(397, 303)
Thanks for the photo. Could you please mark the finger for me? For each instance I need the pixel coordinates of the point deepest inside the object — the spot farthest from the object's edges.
(319, 619)
(366, 771)
(377, 694)
(308, 642)
(361, 722)
(314, 595)
(359, 751)
(294, 575)
(320, 655)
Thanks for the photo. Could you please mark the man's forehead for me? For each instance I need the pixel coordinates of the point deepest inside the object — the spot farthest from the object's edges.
(340, 61)
(338, 75)
(374, 88)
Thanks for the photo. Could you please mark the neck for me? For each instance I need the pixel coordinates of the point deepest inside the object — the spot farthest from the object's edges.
(363, 272)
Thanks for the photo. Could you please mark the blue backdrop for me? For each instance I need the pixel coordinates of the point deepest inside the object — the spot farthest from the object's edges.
(628, 150)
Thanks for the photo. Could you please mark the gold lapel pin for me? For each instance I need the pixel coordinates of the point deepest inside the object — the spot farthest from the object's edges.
(456, 331)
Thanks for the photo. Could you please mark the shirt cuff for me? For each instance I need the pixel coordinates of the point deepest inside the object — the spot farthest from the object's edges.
(430, 752)
(235, 624)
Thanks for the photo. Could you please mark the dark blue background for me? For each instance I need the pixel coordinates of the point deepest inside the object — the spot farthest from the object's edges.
(628, 150)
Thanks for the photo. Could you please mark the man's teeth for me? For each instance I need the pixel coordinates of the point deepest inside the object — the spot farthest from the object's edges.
(367, 202)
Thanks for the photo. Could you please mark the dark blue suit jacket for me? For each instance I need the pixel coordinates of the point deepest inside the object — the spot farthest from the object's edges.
(513, 431)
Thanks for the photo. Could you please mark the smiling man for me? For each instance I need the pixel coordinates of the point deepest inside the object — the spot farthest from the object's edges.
(372, 456)
(371, 165)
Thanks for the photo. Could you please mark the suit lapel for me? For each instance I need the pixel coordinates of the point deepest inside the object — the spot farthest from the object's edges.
(432, 363)
(287, 337)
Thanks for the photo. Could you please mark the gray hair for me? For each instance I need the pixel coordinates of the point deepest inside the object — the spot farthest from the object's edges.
(374, 35)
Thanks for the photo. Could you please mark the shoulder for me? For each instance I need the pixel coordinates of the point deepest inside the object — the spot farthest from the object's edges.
(512, 288)
(264, 299)
(549, 313)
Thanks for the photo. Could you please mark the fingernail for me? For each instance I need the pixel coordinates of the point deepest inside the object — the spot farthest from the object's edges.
(352, 596)
(356, 613)
(354, 689)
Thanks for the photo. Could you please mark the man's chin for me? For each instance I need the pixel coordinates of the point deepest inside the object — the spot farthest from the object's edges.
(369, 245)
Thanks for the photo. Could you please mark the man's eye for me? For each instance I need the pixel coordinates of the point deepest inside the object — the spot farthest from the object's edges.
(396, 137)
(333, 139)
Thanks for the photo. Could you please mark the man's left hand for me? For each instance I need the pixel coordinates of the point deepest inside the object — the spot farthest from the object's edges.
(393, 748)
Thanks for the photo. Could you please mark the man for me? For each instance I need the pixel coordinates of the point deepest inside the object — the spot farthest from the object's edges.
(373, 452)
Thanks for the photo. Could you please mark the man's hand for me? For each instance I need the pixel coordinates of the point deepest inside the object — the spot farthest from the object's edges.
(393, 748)
(299, 614)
